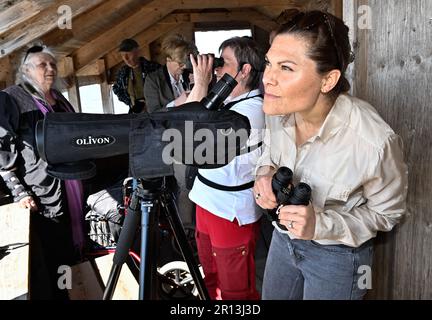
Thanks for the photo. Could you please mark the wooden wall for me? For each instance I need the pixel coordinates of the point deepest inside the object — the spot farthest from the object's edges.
(393, 71)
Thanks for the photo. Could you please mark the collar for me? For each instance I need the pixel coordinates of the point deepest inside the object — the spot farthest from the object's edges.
(173, 81)
(337, 118)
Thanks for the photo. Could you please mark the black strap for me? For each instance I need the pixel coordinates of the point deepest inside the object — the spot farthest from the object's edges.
(225, 188)
(229, 105)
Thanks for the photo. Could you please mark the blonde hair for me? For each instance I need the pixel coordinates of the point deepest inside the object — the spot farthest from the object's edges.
(177, 48)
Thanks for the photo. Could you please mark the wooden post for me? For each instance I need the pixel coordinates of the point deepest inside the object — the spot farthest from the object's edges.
(106, 93)
(73, 86)
(7, 72)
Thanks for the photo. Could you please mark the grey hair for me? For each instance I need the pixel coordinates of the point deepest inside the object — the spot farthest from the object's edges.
(22, 76)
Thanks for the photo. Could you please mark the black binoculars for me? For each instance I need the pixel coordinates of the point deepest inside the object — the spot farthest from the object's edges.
(217, 63)
(288, 194)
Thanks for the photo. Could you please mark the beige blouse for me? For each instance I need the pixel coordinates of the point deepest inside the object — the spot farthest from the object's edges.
(354, 165)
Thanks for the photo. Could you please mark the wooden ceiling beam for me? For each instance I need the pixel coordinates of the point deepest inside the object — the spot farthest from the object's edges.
(211, 4)
(86, 27)
(245, 15)
(15, 14)
(40, 24)
(110, 39)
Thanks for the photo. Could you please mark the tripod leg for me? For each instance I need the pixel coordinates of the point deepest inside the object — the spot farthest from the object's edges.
(125, 241)
(171, 213)
(148, 250)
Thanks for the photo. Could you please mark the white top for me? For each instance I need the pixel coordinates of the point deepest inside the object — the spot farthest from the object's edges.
(238, 204)
(354, 165)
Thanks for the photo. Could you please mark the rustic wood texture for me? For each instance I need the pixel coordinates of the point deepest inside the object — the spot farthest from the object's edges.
(110, 39)
(14, 265)
(40, 24)
(86, 27)
(393, 72)
(20, 12)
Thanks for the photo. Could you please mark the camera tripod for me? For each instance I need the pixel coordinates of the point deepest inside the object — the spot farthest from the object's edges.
(151, 198)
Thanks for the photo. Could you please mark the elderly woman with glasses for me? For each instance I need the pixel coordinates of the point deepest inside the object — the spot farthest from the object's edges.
(342, 148)
(55, 205)
(168, 86)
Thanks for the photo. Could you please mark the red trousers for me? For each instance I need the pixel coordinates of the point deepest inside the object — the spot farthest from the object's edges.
(227, 255)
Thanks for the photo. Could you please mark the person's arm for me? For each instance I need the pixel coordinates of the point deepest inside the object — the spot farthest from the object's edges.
(385, 192)
(9, 122)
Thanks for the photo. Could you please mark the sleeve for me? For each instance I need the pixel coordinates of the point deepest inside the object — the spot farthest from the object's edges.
(9, 122)
(170, 104)
(385, 192)
(119, 89)
(265, 159)
(151, 94)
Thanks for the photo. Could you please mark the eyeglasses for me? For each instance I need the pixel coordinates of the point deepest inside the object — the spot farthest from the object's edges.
(34, 49)
(312, 20)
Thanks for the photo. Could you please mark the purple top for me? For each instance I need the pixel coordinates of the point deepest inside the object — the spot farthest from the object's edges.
(74, 188)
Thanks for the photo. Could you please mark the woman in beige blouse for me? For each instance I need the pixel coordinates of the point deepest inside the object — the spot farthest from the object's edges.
(342, 148)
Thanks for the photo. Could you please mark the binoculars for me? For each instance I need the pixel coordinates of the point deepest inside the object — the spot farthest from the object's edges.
(288, 194)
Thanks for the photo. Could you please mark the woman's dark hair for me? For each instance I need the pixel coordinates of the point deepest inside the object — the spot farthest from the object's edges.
(328, 41)
(247, 51)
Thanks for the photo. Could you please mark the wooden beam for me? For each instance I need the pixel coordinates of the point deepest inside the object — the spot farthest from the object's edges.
(109, 40)
(106, 92)
(336, 8)
(86, 28)
(93, 69)
(144, 39)
(73, 86)
(41, 24)
(7, 75)
(246, 15)
(20, 12)
(211, 4)
(266, 25)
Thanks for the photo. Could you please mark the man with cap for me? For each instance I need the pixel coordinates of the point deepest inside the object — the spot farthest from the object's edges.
(129, 84)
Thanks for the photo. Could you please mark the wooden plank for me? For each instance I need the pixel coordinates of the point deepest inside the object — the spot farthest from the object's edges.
(85, 27)
(211, 4)
(73, 86)
(91, 70)
(5, 5)
(106, 92)
(14, 264)
(41, 24)
(110, 39)
(7, 71)
(85, 283)
(20, 12)
(266, 25)
(393, 67)
(246, 15)
(127, 287)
